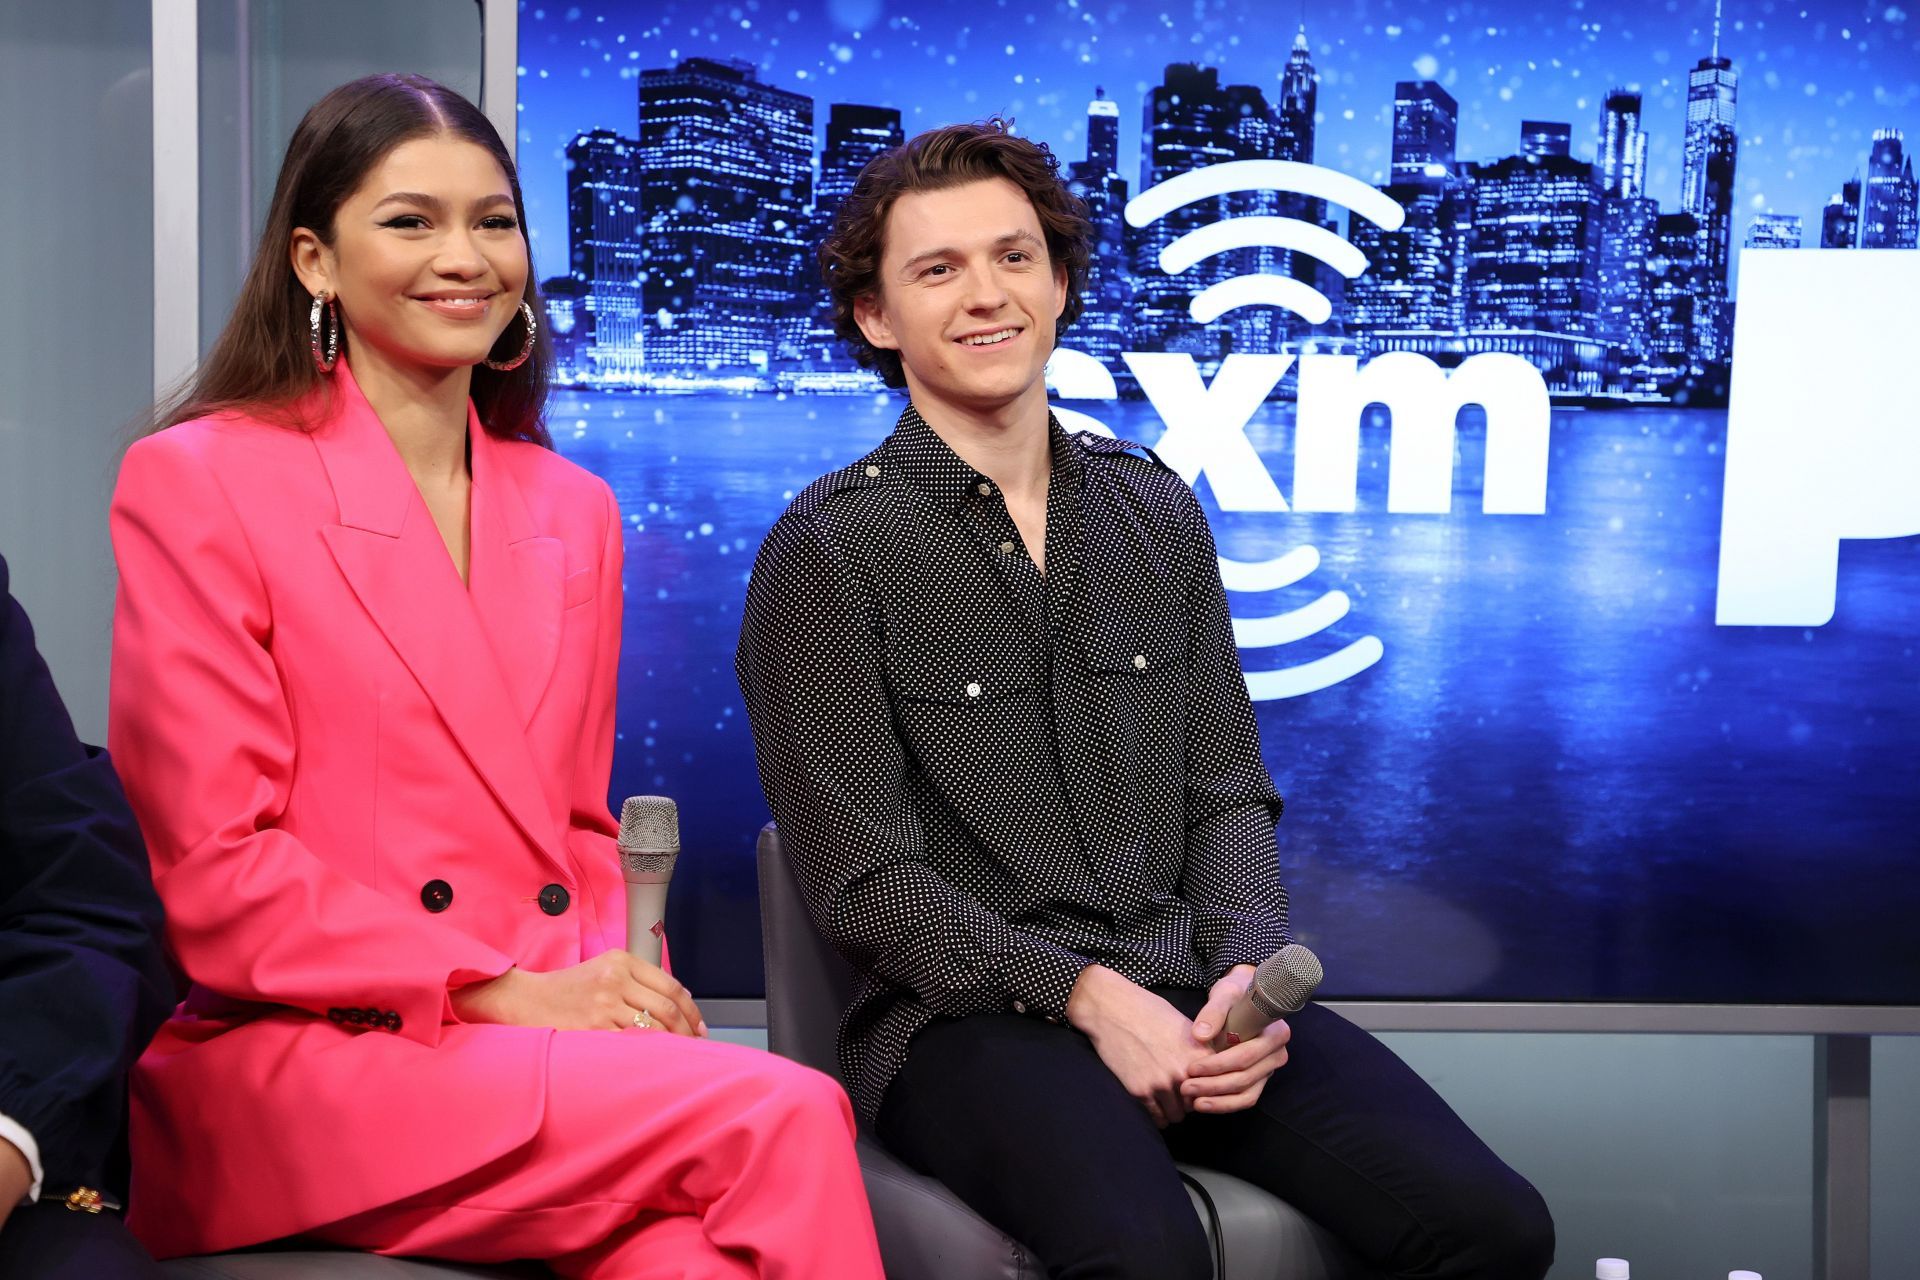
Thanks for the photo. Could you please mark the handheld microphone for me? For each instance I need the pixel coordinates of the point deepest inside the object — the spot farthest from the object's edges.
(1283, 984)
(649, 846)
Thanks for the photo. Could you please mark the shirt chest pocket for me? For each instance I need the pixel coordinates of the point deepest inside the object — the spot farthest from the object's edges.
(1137, 676)
(969, 719)
(1133, 654)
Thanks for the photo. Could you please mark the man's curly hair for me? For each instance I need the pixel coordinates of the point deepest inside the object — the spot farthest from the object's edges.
(934, 161)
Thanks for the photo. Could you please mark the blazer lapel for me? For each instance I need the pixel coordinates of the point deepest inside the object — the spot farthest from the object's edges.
(394, 559)
(516, 576)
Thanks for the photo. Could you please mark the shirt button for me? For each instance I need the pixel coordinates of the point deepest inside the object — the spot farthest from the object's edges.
(436, 895)
(554, 899)
(1006, 548)
(1139, 662)
(973, 690)
(986, 490)
(873, 473)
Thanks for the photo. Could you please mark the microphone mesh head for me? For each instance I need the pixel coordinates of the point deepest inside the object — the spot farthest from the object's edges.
(649, 833)
(1286, 980)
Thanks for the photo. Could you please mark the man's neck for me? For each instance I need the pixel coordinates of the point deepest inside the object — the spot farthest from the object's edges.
(1007, 443)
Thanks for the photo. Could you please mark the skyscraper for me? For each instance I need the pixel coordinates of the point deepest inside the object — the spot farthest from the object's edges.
(1620, 285)
(1840, 220)
(1673, 289)
(1545, 138)
(855, 135)
(1412, 280)
(1706, 186)
(1426, 121)
(605, 254)
(1190, 121)
(1101, 330)
(1299, 92)
(1536, 245)
(1890, 214)
(1623, 146)
(1774, 231)
(725, 166)
(1103, 132)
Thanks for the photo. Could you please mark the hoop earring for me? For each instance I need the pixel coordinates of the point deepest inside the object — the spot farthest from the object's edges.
(508, 366)
(324, 356)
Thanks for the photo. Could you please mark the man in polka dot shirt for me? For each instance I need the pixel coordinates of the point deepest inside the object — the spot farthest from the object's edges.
(1002, 726)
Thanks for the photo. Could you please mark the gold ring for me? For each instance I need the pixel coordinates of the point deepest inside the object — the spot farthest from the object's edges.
(643, 1019)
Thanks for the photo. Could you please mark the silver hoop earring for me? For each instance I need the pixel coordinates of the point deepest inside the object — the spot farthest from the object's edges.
(324, 355)
(508, 366)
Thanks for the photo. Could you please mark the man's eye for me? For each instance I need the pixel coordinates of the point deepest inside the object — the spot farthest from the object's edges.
(1018, 255)
(937, 269)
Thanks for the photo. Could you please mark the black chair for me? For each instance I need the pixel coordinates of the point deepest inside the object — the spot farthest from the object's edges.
(926, 1232)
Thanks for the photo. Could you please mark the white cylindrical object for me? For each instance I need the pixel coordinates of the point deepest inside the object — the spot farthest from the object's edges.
(649, 847)
(1743, 1275)
(1610, 1269)
(646, 919)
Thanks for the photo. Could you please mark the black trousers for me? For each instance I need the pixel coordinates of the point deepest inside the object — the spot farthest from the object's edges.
(1021, 1119)
(48, 1241)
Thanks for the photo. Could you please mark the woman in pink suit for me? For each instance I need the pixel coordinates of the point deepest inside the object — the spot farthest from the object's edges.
(363, 700)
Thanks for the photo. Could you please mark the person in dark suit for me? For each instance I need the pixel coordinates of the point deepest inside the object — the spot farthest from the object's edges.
(83, 980)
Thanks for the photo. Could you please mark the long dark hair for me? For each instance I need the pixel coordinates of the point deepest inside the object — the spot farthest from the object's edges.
(262, 363)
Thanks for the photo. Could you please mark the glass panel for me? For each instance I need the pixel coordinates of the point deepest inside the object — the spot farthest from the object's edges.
(76, 338)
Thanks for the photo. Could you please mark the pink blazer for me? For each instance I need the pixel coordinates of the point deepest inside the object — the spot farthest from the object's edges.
(362, 783)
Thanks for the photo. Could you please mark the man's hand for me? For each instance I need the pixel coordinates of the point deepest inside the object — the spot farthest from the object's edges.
(15, 1177)
(1233, 1078)
(603, 993)
(1146, 1042)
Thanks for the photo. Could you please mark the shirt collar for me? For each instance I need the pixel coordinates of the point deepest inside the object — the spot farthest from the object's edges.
(930, 464)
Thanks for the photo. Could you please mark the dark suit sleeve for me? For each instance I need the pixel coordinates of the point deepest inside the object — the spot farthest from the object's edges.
(83, 981)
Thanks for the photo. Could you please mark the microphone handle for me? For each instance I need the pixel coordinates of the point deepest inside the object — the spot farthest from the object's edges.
(1244, 1021)
(646, 919)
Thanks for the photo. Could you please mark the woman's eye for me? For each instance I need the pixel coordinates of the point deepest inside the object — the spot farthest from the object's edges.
(501, 222)
(406, 222)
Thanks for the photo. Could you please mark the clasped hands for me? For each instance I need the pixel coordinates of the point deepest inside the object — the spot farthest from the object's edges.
(1167, 1062)
(608, 992)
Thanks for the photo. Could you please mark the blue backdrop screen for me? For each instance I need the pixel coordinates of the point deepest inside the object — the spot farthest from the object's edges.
(1541, 374)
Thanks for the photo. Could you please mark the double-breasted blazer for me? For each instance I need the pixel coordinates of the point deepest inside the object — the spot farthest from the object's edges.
(363, 783)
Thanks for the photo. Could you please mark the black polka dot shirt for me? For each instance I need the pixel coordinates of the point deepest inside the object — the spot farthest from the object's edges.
(987, 777)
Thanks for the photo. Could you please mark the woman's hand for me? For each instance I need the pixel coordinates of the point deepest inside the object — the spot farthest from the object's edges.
(1146, 1042)
(605, 993)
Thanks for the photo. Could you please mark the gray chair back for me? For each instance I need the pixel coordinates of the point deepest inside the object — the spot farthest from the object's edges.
(809, 984)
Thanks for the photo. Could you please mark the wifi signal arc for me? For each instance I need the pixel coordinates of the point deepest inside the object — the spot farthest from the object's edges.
(1295, 235)
(1265, 175)
(1246, 577)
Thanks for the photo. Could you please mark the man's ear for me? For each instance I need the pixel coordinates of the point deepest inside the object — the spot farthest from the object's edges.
(1059, 293)
(312, 261)
(873, 322)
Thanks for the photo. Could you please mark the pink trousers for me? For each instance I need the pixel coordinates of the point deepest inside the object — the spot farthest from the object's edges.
(658, 1155)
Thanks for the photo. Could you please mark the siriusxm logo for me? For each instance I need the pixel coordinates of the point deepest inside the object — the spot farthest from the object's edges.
(1206, 422)
(1823, 433)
